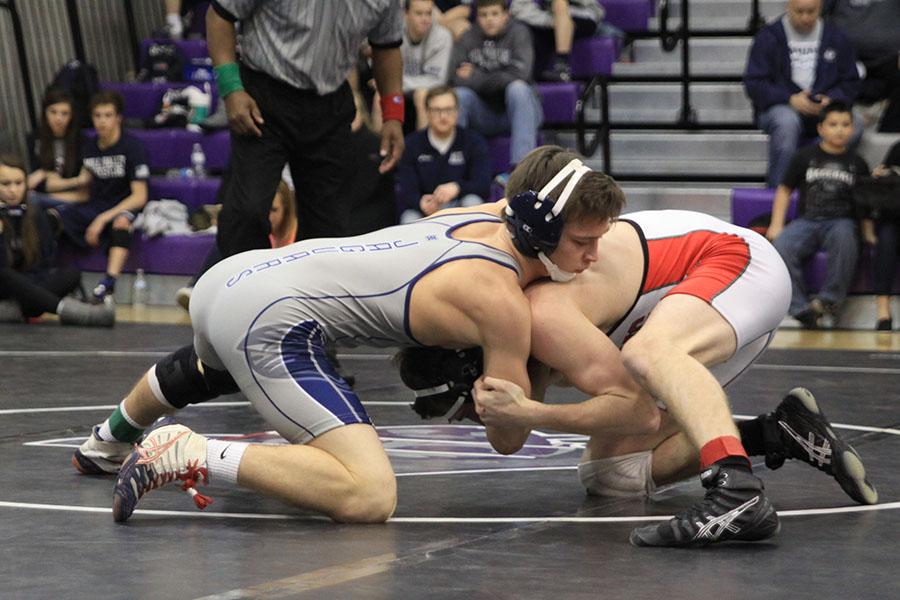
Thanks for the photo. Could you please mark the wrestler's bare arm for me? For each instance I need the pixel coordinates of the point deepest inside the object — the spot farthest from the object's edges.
(567, 342)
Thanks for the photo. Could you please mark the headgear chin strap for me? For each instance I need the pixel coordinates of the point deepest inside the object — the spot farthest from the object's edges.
(534, 221)
(556, 274)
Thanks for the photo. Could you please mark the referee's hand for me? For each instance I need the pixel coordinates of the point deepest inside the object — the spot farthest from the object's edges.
(391, 145)
(244, 116)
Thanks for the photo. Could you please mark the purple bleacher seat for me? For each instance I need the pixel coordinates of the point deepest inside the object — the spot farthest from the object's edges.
(593, 56)
(558, 100)
(748, 204)
(628, 15)
(167, 148)
(191, 192)
(190, 48)
(143, 100)
(164, 255)
(217, 148)
(498, 148)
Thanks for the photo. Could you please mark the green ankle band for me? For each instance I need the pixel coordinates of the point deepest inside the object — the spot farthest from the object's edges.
(121, 429)
(228, 79)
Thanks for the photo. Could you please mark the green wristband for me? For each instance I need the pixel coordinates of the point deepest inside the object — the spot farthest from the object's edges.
(228, 79)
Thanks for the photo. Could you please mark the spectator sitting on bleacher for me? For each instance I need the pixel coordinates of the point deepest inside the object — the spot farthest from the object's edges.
(874, 28)
(825, 174)
(887, 246)
(115, 168)
(56, 153)
(798, 64)
(554, 25)
(491, 68)
(426, 53)
(443, 165)
(29, 284)
(454, 15)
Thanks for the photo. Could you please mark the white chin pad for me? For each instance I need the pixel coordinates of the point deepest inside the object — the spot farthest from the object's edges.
(618, 476)
(556, 274)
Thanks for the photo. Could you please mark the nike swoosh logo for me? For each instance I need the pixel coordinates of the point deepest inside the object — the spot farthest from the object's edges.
(222, 455)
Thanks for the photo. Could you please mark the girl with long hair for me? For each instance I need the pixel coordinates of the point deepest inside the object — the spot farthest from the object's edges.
(57, 152)
(29, 283)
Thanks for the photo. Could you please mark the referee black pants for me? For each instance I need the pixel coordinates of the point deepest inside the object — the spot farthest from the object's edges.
(309, 132)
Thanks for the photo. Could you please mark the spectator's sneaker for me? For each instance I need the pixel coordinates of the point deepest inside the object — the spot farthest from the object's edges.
(807, 435)
(11, 312)
(734, 508)
(168, 453)
(98, 457)
(76, 312)
(558, 72)
(501, 179)
(106, 287)
(183, 297)
(808, 319)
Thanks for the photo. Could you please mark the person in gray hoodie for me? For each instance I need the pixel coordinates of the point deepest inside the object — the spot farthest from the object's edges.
(491, 67)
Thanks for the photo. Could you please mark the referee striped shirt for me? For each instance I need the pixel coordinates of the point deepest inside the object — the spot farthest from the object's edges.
(311, 44)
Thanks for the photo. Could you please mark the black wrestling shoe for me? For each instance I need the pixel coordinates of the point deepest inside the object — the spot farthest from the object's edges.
(807, 435)
(734, 508)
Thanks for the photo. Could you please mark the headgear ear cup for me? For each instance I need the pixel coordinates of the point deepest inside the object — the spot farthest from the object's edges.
(441, 379)
(534, 221)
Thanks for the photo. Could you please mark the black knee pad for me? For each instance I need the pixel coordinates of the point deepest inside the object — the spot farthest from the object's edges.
(182, 382)
(120, 238)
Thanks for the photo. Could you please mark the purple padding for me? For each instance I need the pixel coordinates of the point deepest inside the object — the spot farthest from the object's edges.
(168, 148)
(217, 148)
(593, 56)
(558, 100)
(628, 15)
(749, 203)
(193, 193)
(165, 255)
(499, 150)
(190, 48)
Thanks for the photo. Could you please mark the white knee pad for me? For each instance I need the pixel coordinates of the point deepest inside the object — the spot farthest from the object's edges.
(626, 475)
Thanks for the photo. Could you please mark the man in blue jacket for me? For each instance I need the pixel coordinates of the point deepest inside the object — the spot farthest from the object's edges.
(443, 165)
(798, 64)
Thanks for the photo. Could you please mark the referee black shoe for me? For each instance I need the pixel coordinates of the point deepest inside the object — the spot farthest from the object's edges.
(734, 508)
(807, 435)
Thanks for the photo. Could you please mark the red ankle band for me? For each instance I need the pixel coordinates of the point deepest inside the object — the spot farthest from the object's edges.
(717, 449)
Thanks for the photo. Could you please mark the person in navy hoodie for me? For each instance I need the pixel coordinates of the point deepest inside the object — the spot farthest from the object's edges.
(798, 64)
(443, 165)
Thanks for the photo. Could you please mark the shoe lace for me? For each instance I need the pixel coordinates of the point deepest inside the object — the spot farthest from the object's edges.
(191, 476)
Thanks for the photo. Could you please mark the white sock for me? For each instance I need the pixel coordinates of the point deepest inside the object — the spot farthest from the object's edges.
(223, 459)
(174, 22)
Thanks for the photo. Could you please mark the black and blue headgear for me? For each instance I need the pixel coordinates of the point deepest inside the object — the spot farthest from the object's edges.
(535, 221)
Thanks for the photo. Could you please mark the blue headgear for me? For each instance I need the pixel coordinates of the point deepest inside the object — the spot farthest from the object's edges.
(534, 221)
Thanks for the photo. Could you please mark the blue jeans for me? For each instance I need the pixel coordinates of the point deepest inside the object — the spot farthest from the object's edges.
(411, 214)
(786, 128)
(521, 119)
(801, 238)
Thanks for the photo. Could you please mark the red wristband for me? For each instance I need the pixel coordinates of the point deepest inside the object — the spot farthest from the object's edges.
(392, 107)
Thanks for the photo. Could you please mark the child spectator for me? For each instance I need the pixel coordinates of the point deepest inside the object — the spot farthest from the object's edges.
(491, 68)
(887, 245)
(29, 285)
(442, 165)
(115, 168)
(554, 25)
(56, 152)
(825, 175)
(426, 58)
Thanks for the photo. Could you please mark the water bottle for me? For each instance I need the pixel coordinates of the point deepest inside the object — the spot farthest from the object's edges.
(139, 291)
(198, 161)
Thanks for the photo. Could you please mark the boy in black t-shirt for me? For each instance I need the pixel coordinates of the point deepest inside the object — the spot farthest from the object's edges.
(827, 219)
(115, 168)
